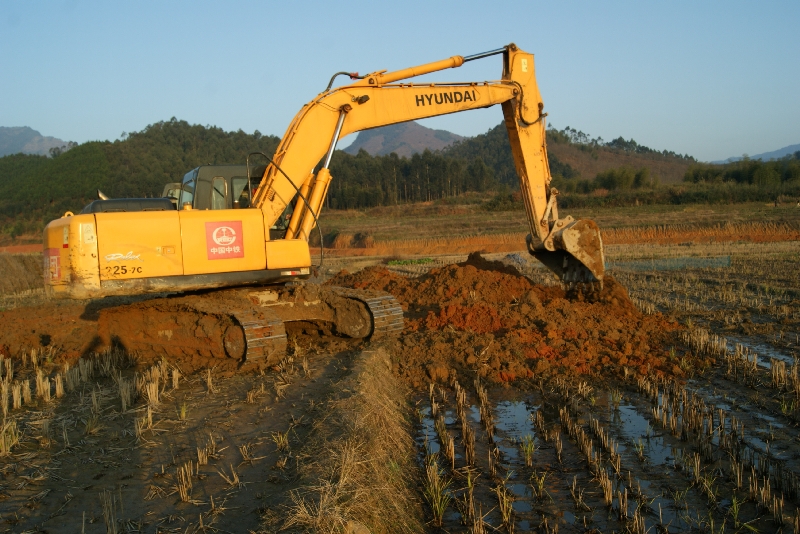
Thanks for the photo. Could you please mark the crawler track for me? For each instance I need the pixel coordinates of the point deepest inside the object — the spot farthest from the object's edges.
(244, 326)
(387, 314)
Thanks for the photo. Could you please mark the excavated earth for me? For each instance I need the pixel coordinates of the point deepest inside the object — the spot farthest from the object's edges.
(477, 317)
(70, 329)
(483, 317)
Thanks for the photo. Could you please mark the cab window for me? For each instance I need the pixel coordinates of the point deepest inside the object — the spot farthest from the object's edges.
(187, 191)
(172, 191)
(240, 192)
(219, 190)
(278, 230)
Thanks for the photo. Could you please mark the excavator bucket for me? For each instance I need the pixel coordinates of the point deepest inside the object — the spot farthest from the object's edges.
(578, 256)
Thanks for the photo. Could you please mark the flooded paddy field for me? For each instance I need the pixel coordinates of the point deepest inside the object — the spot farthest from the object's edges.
(709, 445)
(641, 455)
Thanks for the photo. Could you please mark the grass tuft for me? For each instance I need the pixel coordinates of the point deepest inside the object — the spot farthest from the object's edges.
(436, 490)
(528, 447)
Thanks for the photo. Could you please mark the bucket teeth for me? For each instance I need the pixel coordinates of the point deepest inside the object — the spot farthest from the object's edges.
(584, 287)
(576, 272)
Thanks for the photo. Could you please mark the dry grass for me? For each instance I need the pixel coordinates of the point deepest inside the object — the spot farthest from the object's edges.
(751, 231)
(361, 455)
(342, 241)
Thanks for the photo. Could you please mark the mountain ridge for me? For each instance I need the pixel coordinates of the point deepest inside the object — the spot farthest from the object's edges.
(26, 140)
(404, 139)
(765, 156)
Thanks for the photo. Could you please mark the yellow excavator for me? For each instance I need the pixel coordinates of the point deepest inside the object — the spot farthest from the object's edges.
(229, 229)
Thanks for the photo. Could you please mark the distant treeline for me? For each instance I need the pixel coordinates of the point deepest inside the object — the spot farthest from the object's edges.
(704, 183)
(576, 137)
(620, 179)
(742, 181)
(746, 171)
(37, 189)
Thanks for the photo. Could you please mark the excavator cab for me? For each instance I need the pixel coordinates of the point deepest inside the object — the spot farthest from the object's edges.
(218, 187)
(278, 230)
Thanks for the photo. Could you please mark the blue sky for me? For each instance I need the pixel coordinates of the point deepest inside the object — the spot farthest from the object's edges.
(711, 79)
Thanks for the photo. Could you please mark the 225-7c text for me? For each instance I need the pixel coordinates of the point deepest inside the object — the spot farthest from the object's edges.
(115, 270)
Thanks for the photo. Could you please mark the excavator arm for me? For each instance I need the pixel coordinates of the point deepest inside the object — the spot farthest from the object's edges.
(572, 249)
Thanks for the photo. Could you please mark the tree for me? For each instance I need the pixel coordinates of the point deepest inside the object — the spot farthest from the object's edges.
(616, 179)
(641, 178)
(766, 175)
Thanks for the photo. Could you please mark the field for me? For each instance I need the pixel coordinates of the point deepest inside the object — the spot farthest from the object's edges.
(429, 228)
(712, 447)
(669, 405)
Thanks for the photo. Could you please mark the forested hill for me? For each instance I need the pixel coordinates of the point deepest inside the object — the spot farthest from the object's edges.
(36, 189)
(574, 154)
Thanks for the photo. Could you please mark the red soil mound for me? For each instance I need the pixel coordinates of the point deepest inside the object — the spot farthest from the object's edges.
(485, 317)
(476, 317)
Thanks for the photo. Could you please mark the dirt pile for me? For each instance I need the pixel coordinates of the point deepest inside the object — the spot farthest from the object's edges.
(476, 317)
(66, 329)
(485, 317)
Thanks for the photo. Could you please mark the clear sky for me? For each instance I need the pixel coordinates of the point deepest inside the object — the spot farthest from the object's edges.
(711, 79)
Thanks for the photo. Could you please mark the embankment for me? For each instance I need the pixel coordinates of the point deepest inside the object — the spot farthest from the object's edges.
(359, 470)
